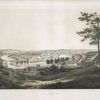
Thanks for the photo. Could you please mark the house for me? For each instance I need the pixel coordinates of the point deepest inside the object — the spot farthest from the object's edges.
(9, 62)
(64, 56)
(5, 60)
(21, 61)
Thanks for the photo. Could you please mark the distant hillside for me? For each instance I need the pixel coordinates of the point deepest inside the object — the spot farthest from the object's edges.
(67, 51)
(45, 52)
(11, 51)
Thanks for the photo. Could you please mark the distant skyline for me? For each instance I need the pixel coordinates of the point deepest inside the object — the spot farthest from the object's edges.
(41, 25)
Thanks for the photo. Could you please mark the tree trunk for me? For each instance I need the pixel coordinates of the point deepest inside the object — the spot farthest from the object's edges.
(98, 47)
(98, 37)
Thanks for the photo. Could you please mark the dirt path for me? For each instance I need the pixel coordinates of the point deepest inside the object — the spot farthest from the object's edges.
(42, 83)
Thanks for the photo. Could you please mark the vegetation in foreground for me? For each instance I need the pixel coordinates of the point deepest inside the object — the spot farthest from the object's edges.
(84, 77)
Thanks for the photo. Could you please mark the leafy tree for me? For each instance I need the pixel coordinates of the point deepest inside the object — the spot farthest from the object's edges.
(48, 61)
(51, 61)
(56, 60)
(66, 58)
(92, 30)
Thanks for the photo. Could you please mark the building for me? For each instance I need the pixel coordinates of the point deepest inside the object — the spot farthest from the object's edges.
(8, 62)
(21, 61)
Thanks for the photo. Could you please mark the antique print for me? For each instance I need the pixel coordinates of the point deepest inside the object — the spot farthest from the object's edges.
(53, 44)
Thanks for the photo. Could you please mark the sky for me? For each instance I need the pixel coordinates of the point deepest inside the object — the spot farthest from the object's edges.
(40, 25)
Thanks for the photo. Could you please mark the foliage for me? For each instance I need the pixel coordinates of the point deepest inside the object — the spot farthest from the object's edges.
(92, 30)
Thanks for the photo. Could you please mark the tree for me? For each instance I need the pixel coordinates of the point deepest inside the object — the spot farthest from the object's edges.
(92, 30)
(47, 61)
(51, 61)
(66, 58)
(56, 60)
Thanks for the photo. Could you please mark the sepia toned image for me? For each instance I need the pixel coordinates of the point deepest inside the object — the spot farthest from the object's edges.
(50, 44)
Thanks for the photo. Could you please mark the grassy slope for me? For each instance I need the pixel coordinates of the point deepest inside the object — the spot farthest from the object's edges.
(88, 77)
(85, 77)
